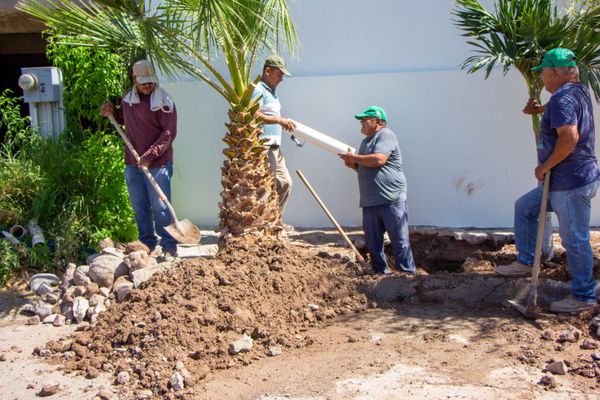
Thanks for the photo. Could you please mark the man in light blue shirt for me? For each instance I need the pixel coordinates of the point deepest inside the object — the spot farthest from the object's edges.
(270, 113)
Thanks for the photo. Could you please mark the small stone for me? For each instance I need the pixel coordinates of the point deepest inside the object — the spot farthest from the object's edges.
(144, 394)
(49, 319)
(51, 298)
(589, 345)
(44, 353)
(2, 357)
(80, 307)
(81, 277)
(60, 320)
(91, 289)
(106, 242)
(104, 291)
(122, 378)
(104, 394)
(313, 307)
(243, 344)
(596, 356)
(33, 320)
(49, 390)
(557, 368)
(122, 288)
(275, 266)
(570, 335)
(549, 381)
(547, 335)
(177, 382)
(42, 309)
(69, 355)
(92, 372)
(274, 351)
(595, 321)
(136, 246)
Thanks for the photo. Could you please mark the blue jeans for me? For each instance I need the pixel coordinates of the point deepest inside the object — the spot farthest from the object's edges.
(573, 210)
(150, 211)
(392, 218)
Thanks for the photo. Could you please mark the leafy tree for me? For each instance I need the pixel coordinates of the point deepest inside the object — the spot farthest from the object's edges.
(518, 32)
(184, 36)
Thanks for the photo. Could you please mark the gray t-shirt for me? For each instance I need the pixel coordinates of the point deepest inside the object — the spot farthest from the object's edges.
(386, 184)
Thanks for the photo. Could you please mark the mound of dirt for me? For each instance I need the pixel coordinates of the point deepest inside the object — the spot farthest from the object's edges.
(186, 321)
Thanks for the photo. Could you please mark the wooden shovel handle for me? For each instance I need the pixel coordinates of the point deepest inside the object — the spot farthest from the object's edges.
(357, 254)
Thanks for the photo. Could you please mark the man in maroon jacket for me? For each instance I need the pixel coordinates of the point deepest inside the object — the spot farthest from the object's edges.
(150, 119)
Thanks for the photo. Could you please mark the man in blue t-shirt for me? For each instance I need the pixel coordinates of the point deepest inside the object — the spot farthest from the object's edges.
(270, 113)
(567, 149)
(382, 188)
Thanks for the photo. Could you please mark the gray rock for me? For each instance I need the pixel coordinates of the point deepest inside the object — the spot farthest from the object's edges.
(503, 237)
(557, 368)
(242, 344)
(122, 378)
(589, 345)
(144, 394)
(475, 237)
(80, 277)
(106, 242)
(122, 287)
(42, 309)
(51, 298)
(596, 356)
(60, 320)
(274, 351)
(570, 335)
(67, 278)
(96, 299)
(38, 279)
(113, 252)
(207, 251)
(137, 260)
(595, 321)
(177, 382)
(104, 291)
(105, 268)
(142, 275)
(49, 319)
(80, 307)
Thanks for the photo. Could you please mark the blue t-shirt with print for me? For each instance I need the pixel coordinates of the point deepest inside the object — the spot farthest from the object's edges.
(269, 105)
(386, 184)
(570, 105)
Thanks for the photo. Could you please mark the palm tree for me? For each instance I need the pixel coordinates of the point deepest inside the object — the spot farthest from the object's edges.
(518, 33)
(184, 37)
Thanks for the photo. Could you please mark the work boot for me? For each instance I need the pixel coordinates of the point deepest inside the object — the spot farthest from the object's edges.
(570, 305)
(514, 270)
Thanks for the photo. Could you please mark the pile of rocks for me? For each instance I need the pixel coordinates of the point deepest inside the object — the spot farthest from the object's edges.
(87, 290)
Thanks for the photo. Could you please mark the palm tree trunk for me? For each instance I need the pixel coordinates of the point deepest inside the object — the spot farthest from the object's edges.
(249, 201)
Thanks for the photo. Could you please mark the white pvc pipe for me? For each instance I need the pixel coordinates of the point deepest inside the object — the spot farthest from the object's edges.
(37, 237)
(321, 140)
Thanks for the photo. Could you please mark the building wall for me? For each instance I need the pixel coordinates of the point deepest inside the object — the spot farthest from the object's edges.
(468, 150)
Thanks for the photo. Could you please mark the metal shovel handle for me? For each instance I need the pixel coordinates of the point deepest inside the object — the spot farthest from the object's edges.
(151, 179)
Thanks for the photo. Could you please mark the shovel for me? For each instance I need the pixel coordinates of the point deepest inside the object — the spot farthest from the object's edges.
(530, 309)
(183, 231)
(357, 254)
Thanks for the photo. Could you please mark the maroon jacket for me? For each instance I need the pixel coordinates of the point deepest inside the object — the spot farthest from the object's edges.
(150, 132)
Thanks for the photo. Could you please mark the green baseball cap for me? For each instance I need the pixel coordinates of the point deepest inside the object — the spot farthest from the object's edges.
(373, 111)
(557, 57)
(277, 62)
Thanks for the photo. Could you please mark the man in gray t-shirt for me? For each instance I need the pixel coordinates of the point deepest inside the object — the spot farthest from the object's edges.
(382, 188)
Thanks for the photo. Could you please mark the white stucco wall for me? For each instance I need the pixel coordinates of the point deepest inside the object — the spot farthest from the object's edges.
(468, 150)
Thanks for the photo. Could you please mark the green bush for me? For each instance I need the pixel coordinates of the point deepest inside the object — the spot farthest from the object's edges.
(74, 185)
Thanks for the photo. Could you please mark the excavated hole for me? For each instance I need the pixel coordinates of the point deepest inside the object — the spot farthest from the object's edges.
(438, 254)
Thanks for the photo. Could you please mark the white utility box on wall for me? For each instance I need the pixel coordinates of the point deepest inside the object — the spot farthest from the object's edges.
(42, 90)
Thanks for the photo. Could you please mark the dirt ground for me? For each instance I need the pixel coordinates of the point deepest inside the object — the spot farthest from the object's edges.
(318, 332)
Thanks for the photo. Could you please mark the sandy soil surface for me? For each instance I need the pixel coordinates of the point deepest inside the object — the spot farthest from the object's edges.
(309, 302)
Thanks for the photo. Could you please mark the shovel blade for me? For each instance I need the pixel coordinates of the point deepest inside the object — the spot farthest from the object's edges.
(184, 232)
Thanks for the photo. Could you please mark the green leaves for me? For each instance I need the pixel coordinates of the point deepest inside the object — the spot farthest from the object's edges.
(519, 32)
